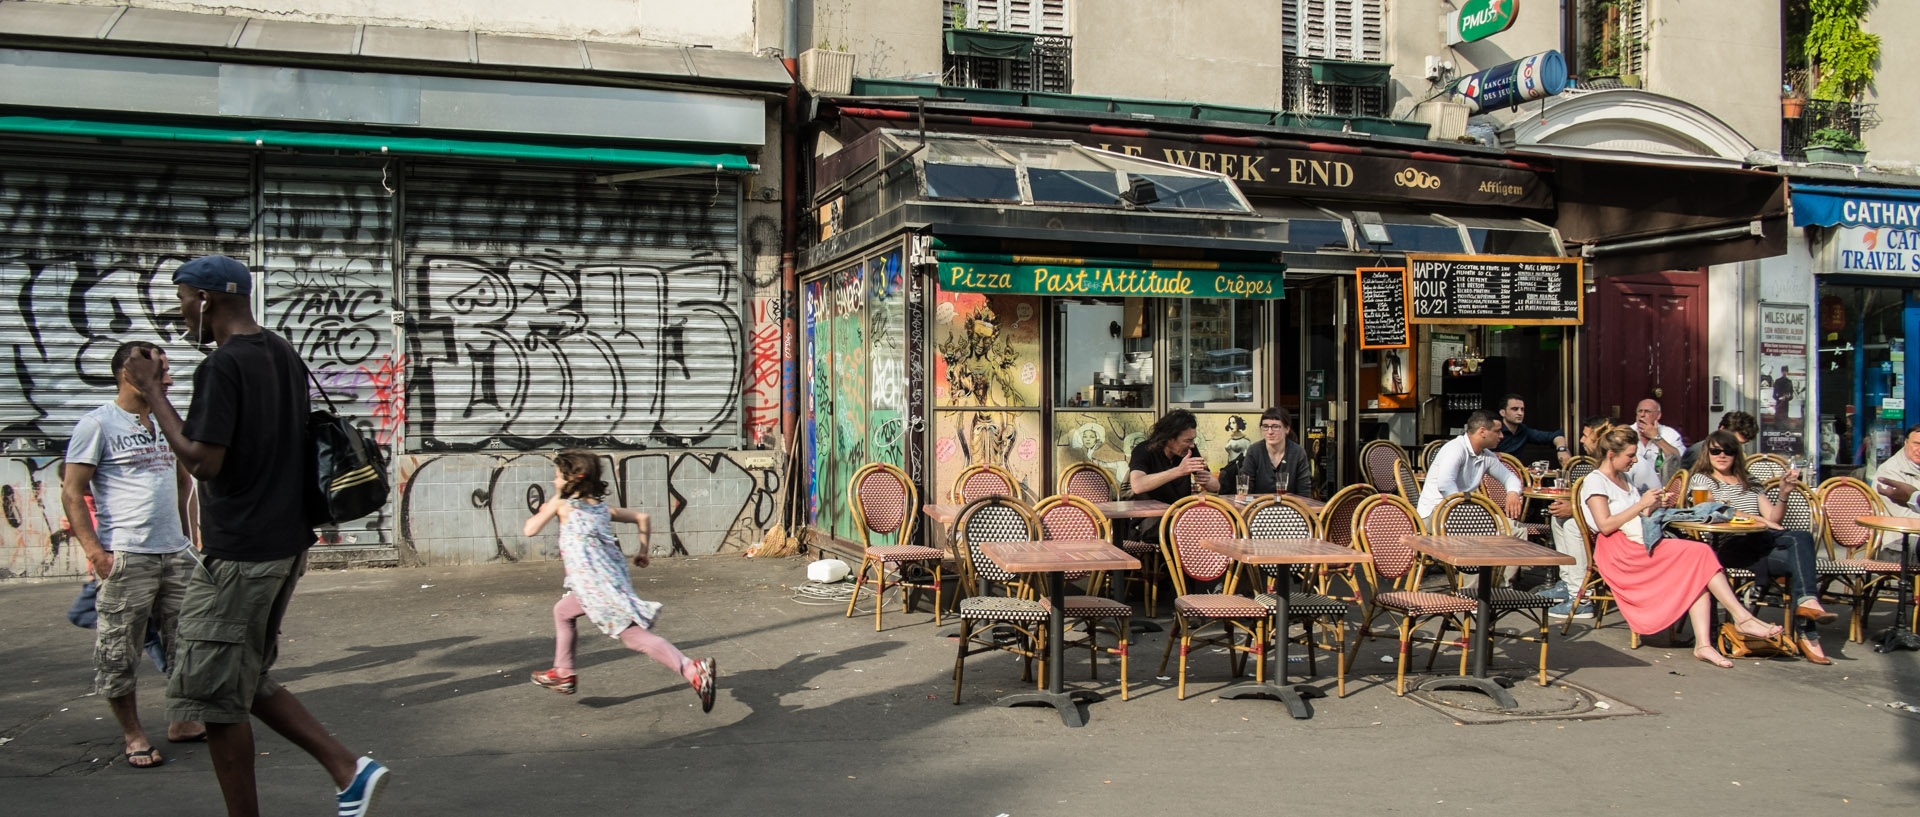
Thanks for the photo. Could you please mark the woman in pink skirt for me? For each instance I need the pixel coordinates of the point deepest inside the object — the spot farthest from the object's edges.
(1653, 589)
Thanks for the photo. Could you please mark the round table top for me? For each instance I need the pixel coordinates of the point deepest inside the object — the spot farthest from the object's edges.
(1546, 493)
(1753, 525)
(1896, 524)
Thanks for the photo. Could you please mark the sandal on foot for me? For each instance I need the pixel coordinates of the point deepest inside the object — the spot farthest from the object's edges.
(1818, 616)
(563, 684)
(703, 683)
(1802, 643)
(1723, 662)
(152, 756)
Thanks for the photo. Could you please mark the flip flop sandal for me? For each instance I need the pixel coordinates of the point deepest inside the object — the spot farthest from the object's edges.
(199, 738)
(150, 754)
(703, 683)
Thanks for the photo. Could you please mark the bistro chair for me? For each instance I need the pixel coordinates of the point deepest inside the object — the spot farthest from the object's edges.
(1519, 469)
(1065, 516)
(1801, 514)
(978, 481)
(1376, 459)
(1405, 483)
(1766, 467)
(1336, 526)
(1384, 520)
(1677, 486)
(1090, 482)
(1493, 489)
(1428, 451)
(1002, 615)
(1576, 468)
(1475, 515)
(1195, 568)
(885, 502)
(1593, 587)
(1285, 517)
(1851, 548)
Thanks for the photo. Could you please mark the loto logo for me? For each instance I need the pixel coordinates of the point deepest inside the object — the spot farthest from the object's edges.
(1417, 179)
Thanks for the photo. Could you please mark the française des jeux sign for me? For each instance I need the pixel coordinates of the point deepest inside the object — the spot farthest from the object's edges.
(1383, 307)
(1118, 282)
(1480, 19)
(1497, 289)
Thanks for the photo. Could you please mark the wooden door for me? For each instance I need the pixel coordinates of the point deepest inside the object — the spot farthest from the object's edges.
(1647, 338)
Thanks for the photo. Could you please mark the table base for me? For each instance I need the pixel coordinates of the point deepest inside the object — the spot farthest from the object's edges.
(1068, 703)
(1293, 695)
(1494, 687)
(1897, 638)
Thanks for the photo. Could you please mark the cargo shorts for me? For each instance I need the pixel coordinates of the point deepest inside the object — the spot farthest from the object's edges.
(141, 587)
(229, 636)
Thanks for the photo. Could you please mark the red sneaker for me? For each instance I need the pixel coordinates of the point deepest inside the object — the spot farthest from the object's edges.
(563, 684)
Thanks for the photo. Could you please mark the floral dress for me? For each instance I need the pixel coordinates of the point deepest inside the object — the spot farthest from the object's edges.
(597, 570)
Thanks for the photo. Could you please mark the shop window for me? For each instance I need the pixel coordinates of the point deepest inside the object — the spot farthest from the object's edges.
(1511, 242)
(1103, 355)
(1210, 347)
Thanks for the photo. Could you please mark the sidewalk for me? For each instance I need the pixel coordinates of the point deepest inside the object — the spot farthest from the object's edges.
(818, 715)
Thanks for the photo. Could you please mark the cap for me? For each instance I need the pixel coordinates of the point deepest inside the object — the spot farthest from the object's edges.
(215, 273)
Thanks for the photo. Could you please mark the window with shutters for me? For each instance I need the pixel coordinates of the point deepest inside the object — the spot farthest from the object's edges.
(1353, 30)
(1047, 66)
(1615, 38)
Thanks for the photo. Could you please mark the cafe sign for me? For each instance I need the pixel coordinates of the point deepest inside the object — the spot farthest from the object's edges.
(1480, 19)
(1108, 281)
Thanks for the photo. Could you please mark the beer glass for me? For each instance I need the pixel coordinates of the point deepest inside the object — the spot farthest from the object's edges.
(1240, 485)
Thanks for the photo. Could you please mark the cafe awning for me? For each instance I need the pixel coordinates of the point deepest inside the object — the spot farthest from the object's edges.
(1107, 277)
(1830, 205)
(1633, 217)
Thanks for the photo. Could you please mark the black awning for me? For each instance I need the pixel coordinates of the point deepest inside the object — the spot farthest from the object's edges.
(1634, 217)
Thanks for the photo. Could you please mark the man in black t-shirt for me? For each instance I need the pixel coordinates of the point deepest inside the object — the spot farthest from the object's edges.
(246, 442)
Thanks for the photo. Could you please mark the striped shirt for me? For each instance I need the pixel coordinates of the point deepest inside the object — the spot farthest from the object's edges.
(1739, 497)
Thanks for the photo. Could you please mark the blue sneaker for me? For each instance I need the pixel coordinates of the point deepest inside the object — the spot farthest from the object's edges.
(369, 779)
(1565, 609)
(1557, 590)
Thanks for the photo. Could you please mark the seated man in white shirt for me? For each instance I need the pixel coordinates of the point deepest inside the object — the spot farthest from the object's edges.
(1898, 479)
(1660, 448)
(1458, 466)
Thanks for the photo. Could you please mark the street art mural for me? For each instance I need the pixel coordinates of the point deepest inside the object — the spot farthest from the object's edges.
(887, 359)
(1104, 438)
(987, 350)
(1008, 439)
(849, 376)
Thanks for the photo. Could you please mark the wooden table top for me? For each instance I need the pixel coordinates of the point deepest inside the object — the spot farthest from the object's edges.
(1485, 551)
(943, 514)
(1058, 556)
(1133, 508)
(1285, 551)
(1546, 493)
(1751, 526)
(1894, 524)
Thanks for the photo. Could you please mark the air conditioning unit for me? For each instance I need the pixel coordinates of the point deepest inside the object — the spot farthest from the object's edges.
(826, 73)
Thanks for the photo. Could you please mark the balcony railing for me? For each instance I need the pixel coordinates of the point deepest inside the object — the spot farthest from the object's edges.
(1049, 67)
(1300, 94)
(1853, 117)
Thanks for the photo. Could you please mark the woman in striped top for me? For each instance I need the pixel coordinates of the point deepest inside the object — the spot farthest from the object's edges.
(1774, 552)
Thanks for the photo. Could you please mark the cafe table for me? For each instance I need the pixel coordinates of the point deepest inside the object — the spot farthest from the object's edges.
(1900, 636)
(1286, 553)
(1054, 557)
(1479, 553)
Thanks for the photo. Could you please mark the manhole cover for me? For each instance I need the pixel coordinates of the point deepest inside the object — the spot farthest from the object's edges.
(1557, 700)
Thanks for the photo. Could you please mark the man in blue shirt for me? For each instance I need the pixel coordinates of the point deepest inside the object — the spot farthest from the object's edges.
(1513, 421)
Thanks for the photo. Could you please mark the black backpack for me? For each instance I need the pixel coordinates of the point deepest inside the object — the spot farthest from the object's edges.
(351, 468)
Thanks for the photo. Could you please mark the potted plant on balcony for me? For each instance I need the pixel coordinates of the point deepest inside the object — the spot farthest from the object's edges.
(1793, 93)
(1835, 145)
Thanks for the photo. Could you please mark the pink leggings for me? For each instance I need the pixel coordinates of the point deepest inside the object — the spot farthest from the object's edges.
(636, 637)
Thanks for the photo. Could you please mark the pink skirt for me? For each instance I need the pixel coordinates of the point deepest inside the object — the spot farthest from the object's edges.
(1653, 591)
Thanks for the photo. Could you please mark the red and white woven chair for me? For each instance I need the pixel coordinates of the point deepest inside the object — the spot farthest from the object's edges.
(1396, 569)
(1851, 548)
(1376, 460)
(1089, 482)
(1188, 522)
(1336, 526)
(982, 481)
(1406, 484)
(1002, 615)
(1092, 483)
(1070, 517)
(885, 504)
(1427, 453)
(1492, 488)
(1592, 587)
(1286, 518)
(1475, 515)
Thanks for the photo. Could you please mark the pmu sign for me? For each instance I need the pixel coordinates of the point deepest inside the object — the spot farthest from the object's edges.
(1480, 19)
(1504, 86)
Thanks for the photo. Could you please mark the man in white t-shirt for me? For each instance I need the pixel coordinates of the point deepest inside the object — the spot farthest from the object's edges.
(1898, 479)
(138, 549)
(1459, 465)
(1660, 447)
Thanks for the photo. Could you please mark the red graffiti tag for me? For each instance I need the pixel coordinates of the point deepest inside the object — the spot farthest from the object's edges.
(389, 397)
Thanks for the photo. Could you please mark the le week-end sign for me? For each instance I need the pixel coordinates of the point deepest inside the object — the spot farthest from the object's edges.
(1480, 19)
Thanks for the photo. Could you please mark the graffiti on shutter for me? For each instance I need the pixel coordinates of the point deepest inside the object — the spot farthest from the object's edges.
(88, 244)
(546, 309)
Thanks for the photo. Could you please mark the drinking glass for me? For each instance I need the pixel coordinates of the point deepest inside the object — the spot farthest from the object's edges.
(1199, 482)
(1282, 478)
(1539, 469)
(1240, 485)
(1701, 495)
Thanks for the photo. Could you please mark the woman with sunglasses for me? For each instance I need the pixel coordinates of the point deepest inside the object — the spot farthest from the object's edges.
(1278, 454)
(1722, 472)
(1655, 586)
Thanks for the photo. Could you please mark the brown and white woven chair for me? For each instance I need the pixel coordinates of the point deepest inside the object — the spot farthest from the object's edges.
(980, 481)
(1475, 515)
(1427, 453)
(1405, 484)
(1336, 526)
(1376, 461)
(1002, 615)
(1802, 514)
(885, 503)
(1065, 516)
(1592, 587)
(1851, 548)
(1493, 489)
(1766, 468)
(1195, 568)
(1089, 482)
(1286, 518)
(1576, 468)
(1396, 569)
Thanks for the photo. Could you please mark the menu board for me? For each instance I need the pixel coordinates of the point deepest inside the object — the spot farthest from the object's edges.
(1496, 289)
(1383, 307)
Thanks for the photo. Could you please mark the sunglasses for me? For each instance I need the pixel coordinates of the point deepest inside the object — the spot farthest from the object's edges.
(1718, 452)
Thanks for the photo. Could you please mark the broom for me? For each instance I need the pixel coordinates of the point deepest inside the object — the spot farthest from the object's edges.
(778, 543)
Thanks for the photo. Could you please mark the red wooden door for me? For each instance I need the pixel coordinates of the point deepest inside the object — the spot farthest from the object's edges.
(1648, 339)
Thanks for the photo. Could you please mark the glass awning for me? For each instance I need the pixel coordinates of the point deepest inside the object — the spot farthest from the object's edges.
(959, 167)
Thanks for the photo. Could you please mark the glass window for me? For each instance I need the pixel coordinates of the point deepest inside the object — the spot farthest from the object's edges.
(1210, 347)
(1103, 353)
(1511, 242)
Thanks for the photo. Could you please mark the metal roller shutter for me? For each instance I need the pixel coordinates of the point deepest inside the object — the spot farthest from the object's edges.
(326, 259)
(547, 310)
(88, 242)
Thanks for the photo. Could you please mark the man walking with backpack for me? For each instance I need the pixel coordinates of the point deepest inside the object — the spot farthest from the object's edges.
(245, 439)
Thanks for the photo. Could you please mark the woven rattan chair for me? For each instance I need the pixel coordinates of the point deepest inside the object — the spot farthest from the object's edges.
(1495, 491)
(1396, 569)
(1802, 514)
(1066, 516)
(980, 481)
(1405, 484)
(1475, 515)
(1851, 548)
(1089, 482)
(1576, 468)
(1190, 521)
(1427, 453)
(885, 503)
(1376, 460)
(1336, 526)
(1766, 467)
(1286, 518)
(1593, 587)
(1519, 469)
(1002, 606)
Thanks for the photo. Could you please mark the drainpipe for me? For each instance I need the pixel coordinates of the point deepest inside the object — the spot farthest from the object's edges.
(789, 243)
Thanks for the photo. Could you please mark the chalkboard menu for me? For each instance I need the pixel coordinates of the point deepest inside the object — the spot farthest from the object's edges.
(1383, 307)
(1496, 289)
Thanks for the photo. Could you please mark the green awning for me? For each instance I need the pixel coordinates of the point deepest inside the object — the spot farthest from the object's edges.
(994, 45)
(408, 145)
(1108, 277)
(1350, 73)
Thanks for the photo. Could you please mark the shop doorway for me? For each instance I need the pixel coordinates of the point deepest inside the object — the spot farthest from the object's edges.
(1649, 340)
(1311, 377)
